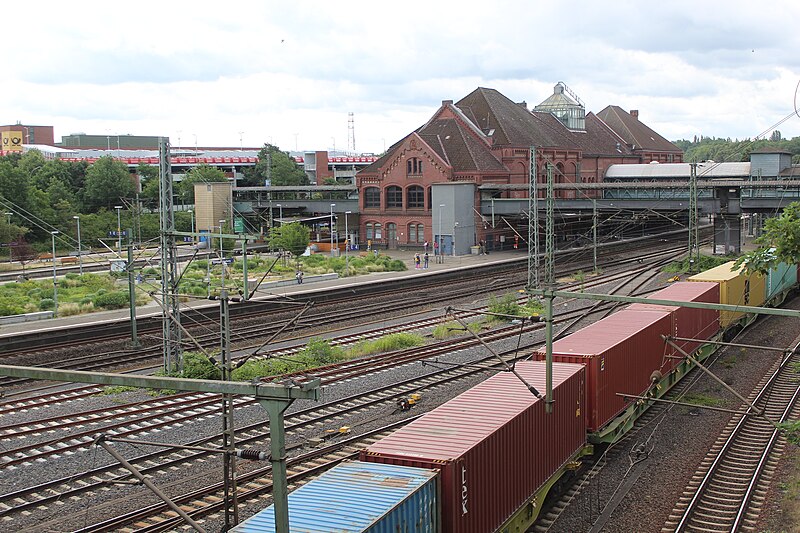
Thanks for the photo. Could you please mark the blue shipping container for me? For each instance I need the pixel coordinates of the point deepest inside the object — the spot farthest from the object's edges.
(359, 497)
(780, 278)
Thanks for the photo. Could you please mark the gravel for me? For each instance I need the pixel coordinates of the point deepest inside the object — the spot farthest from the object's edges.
(676, 442)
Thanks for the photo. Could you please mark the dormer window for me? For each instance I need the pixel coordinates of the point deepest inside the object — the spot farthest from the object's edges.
(414, 167)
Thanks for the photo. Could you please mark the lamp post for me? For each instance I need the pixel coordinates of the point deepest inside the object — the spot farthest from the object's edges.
(222, 252)
(191, 215)
(8, 218)
(346, 245)
(80, 257)
(332, 206)
(455, 225)
(55, 285)
(280, 213)
(441, 242)
(119, 231)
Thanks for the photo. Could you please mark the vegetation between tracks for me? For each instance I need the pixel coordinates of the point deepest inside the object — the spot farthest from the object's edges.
(76, 294)
(706, 262)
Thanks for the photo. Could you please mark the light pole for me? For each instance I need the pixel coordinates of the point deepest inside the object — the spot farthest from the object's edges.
(119, 231)
(441, 242)
(80, 258)
(55, 285)
(8, 218)
(455, 225)
(241, 143)
(332, 206)
(8, 221)
(280, 213)
(191, 215)
(346, 245)
(222, 252)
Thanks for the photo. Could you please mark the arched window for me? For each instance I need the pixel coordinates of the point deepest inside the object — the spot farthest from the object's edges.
(391, 231)
(394, 196)
(416, 232)
(416, 197)
(372, 198)
(374, 231)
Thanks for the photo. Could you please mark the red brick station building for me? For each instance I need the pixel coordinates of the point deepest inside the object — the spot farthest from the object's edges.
(425, 187)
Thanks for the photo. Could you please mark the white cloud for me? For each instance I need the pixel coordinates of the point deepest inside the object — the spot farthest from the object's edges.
(273, 70)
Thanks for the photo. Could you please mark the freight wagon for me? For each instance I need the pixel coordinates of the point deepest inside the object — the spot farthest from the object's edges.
(496, 449)
(485, 460)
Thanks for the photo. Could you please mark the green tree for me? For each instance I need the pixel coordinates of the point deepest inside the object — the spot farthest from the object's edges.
(149, 181)
(292, 237)
(275, 166)
(780, 242)
(198, 174)
(107, 183)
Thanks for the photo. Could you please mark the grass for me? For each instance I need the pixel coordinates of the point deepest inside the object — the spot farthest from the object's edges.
(706, 262)
(452, 328)
(729, 361)
(115, 389)
(508, 304)
(702, 400)
(91, 292)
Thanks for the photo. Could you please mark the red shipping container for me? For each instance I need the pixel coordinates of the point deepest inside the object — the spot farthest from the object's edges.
(688, 322)
(494, 444)
(620, 352)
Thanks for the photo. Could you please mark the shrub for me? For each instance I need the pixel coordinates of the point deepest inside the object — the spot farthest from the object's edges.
(46, 304)
(112, 300)
(197, 366)
(69, 309)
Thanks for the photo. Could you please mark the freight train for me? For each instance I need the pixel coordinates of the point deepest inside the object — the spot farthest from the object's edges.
(485, 460)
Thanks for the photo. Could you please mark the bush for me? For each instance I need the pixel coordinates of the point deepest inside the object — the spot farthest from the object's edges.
(45, 304)
(197, 366)
(112, 300)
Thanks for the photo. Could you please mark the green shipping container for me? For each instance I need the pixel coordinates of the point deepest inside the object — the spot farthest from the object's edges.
(781, 278)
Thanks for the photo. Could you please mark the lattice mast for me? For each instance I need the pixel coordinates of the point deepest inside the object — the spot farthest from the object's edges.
(694, 244)
(533, 222)
(171, 323)
(550, 252)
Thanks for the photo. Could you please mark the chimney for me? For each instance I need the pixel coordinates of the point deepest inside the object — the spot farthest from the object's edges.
(523, 104)
(447, 102)
(635, 113)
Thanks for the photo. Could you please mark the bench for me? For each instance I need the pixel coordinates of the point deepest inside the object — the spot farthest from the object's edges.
(69, 260)
(45, 257)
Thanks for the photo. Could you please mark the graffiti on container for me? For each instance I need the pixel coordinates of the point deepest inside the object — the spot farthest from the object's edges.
(463, 490)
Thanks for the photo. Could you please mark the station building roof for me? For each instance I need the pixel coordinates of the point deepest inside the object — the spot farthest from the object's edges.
(706, 170)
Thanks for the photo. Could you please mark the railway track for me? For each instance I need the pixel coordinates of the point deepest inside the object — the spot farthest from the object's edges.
(49, 338)
(40, 497)
(207, 337)
(726, 494)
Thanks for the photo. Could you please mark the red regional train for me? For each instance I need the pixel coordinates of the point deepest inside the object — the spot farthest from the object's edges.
(485, 460)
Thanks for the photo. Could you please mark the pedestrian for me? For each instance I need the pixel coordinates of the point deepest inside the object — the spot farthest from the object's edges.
(299, 277)
(425, 247)
(416, 261)
(426, 259)
(436, 250)
(482, 245)
(369, 244)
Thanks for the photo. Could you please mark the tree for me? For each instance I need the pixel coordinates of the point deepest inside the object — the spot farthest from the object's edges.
(107, 183)
(149, 182)
(293, 237)
(780, 242)
(275, 166)
(198, 174)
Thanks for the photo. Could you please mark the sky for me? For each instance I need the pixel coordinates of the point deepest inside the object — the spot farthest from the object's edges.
(244, 73)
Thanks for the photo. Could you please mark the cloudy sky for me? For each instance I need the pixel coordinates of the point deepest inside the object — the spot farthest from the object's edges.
(289, 72)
